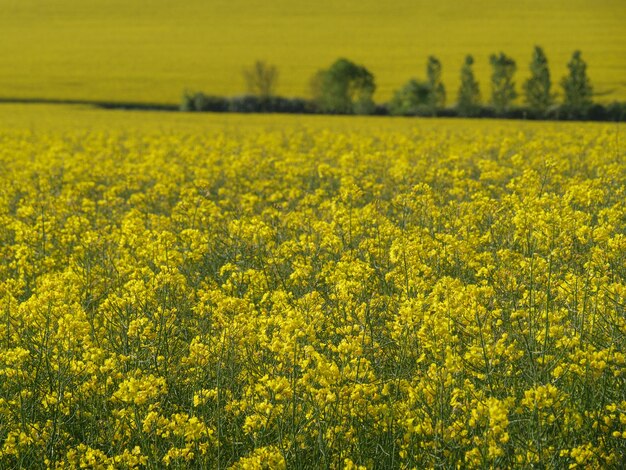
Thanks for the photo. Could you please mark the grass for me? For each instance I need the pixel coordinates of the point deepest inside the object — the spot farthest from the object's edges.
(151, 51)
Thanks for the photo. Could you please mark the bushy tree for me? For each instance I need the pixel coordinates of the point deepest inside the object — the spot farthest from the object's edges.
(468, 101)
(344, 88)
(537, 88)
(261, 79)
(502, 85)
(577, 87)
(412, 99)
(437, 93)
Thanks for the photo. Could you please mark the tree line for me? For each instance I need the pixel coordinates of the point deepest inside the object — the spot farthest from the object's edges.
(348, 88)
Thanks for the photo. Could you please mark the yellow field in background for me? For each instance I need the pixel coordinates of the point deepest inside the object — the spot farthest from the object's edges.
(152, 51)
(53, 118)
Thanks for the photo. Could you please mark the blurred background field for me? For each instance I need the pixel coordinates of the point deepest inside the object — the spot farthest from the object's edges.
(58, 119)
(150, 51)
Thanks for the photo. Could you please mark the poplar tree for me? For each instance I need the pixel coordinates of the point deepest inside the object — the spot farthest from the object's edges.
(576, 86)
(468, 101)
(537, 87)
(437, 95)
(502, 85)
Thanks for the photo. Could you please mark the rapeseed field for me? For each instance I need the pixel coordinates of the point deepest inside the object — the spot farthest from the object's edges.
(151, 51)
(192, 292)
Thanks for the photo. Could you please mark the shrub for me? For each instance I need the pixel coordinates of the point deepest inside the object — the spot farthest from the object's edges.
(201, 102)
(411, 100)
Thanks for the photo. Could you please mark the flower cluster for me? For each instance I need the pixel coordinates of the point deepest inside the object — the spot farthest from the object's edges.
(305, 298)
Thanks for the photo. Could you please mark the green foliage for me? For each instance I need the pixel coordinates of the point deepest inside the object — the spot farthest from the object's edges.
(421, 98)
(577, 87)
(502, 85)
(468, 101)
(261, 79)
(201, 102)
(537, 87)
(198, 101)
(344, 88)
(410, 100)
(437, 92)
